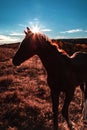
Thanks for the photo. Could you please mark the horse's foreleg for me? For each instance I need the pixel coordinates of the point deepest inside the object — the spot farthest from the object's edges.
(67, 101)
(55, 103)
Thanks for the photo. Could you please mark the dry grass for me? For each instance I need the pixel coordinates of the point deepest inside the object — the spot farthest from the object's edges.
(25, 102)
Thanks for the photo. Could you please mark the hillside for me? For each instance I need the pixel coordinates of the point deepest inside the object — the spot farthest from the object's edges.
(25, 102)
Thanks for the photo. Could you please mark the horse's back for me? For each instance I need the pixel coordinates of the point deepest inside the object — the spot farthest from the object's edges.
(79, 59)
(79, 65)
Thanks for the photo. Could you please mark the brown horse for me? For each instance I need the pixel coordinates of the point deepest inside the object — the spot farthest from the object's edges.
(64, 72)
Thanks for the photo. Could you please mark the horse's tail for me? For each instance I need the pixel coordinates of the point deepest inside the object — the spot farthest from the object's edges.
(84, 90)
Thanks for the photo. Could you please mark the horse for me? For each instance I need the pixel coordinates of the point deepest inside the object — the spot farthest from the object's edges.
(64, 72)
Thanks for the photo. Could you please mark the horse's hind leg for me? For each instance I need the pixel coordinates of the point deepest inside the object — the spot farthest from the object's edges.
(85, 93)
(82, 87)
(69, 97)
(85, 102)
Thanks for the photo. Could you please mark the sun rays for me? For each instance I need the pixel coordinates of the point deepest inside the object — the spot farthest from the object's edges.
(37, 26)
(35, 29)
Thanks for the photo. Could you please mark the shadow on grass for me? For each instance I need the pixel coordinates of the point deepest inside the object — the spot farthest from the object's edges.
(5, 82)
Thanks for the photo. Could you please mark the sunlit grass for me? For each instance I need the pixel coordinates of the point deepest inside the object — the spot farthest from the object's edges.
(25, 102)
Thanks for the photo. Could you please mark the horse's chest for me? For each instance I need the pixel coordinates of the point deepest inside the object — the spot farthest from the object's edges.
(58, 82)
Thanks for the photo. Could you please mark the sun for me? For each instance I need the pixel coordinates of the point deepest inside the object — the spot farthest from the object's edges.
(35, 29)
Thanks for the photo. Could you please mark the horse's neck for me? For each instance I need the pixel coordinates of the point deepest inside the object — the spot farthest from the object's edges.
(51, 59)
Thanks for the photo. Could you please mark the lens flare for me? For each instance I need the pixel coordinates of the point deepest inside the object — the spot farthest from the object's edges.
(36, 26)
(35, 29)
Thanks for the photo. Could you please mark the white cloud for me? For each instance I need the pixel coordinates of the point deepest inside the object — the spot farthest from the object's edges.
(46, 30)
(22, 25)
(72, 31)
(60, 37)
(35, 20)
(8, 39)
(16, 34)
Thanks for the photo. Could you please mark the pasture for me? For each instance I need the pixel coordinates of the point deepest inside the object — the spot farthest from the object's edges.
(25, 102)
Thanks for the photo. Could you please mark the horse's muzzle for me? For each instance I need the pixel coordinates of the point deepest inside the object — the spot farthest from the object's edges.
(15, 62)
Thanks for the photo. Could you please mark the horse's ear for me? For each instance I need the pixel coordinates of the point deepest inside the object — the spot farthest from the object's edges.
(25, 32)
(28, 30)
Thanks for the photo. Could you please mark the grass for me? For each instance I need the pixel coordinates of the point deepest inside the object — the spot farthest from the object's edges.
(25, 102)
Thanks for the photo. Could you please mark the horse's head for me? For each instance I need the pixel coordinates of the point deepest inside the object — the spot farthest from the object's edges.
(27, 48)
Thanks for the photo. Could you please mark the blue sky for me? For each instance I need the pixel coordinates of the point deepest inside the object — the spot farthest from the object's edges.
(55, 18)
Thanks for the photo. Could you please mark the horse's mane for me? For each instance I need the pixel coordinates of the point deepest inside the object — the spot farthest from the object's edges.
(44, 38)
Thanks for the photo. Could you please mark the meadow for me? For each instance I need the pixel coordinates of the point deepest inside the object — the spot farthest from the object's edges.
(25, 102)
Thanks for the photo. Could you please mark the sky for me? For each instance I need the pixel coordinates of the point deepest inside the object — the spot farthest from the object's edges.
(55, 18)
